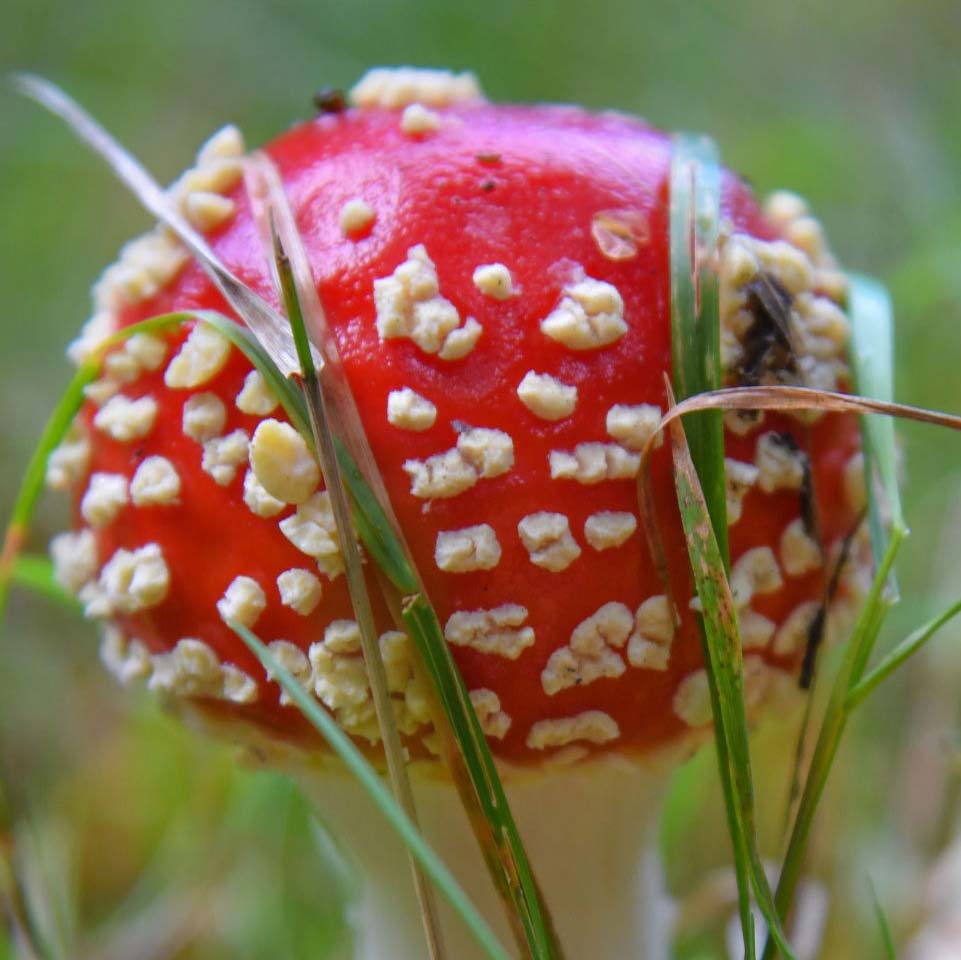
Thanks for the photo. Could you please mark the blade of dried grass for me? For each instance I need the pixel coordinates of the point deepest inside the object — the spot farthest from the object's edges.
(268, 199)
(354, 760)
(723, 664)
(269, 327)
(356, 582)
(495, 827)
(380, 530)
(786, 399)
(461, 740)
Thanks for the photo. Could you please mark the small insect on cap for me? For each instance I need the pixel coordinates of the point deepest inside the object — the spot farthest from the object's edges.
(498, 281)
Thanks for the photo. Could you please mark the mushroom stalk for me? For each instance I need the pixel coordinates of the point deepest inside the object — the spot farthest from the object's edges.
(590, 832)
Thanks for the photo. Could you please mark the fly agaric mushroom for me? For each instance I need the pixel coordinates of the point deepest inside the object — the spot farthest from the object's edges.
(498, 282)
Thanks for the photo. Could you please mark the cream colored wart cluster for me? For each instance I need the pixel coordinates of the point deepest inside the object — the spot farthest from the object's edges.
(592, 651)
(393, 88)
(280, 472)
(332, 670)
(409, 305)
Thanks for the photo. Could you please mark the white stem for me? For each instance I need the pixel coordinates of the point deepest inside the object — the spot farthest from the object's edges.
(589, 831)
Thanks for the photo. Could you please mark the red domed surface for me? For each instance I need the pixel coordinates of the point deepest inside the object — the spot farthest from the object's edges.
(481, 185)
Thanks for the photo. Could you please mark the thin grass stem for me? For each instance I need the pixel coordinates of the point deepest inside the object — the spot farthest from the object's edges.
(695, 213)
(906, 649)
(833, 724)
(722, 648)
(884, 928)
(698, 447)
(461, 739)
(36, 574)
(357, 586)
(356, 763)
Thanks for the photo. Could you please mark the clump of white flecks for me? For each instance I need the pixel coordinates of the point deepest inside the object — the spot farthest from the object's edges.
(593, 650)
(397, 87)
(409, 305)
(499, 630)
(480, 453)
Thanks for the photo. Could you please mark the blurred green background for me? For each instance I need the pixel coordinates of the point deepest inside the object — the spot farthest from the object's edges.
(143, 842)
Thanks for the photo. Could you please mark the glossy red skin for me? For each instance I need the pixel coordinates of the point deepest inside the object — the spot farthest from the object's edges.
(514, 185)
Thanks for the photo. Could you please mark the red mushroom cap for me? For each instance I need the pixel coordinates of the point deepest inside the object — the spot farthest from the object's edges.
(497, 278)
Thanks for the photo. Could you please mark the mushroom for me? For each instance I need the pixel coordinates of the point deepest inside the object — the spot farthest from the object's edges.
(497, 278)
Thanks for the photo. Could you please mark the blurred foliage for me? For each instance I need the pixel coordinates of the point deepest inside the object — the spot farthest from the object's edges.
(126, 818)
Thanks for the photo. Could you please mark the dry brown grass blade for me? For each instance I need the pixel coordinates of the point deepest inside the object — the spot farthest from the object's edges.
(263, 186)
(723, 611)
(652, 532)
(786, 399)
(294, 278)
(462, 742)
(270, 328)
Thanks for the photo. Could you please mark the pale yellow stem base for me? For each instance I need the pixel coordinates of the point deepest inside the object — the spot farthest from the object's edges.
(590, 834)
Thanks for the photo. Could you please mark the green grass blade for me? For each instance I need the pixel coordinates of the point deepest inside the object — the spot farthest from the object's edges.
(32, 484)
(374, 526)
(695, 210)
(31, 487)
(884, 928)
(356, 763)
(695, 200)
(863, 637)
(723, 664)
(36, 574)
(871, 357)
(497, 832)
(463, 744)
(356, 582)
(872, 365)
(290, 396)
(737, 830)
(901, 653)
